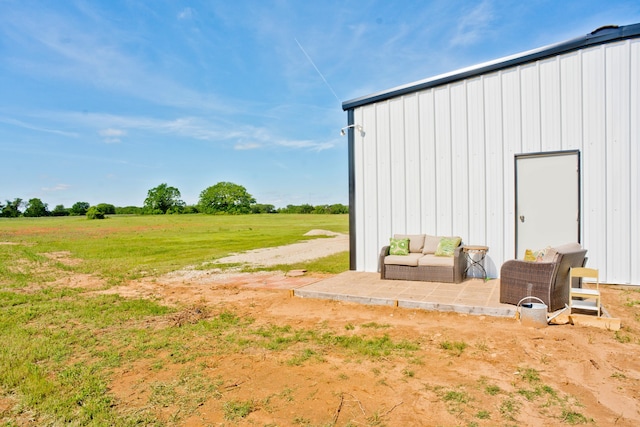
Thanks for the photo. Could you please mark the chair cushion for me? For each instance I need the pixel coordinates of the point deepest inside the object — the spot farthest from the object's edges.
(551, 255)
(447, 246)
(531, 255)
(547, 254)
(568, 247)
(398, 246)
(435, 261)
(416, 241)
(410, 259)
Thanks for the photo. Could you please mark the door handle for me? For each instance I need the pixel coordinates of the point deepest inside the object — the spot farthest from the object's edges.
(521, 218)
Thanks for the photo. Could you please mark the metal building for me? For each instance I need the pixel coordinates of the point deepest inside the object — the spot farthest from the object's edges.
(531, 150)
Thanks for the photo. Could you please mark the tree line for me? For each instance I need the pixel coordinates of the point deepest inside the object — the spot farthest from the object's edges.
(222, 198)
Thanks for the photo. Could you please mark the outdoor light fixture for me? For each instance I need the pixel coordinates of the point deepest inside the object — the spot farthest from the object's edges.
(343, 131)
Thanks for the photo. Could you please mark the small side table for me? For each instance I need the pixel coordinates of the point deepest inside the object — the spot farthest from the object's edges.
(475, 259)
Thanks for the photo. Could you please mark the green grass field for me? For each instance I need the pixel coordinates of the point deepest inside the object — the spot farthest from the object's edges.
(128, 247)
(60, 346)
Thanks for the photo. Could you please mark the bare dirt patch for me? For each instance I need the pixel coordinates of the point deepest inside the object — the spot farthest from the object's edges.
(577, 373)
(467, 370)
(63, 257)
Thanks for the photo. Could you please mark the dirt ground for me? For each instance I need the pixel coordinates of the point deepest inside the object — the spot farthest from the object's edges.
(505, 374)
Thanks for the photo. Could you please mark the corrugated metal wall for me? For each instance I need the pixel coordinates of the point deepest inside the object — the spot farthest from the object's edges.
(441, 161)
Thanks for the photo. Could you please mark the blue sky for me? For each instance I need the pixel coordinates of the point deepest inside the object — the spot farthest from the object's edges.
(101, 101)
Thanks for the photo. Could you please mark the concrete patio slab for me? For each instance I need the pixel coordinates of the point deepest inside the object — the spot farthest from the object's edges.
(472, 296)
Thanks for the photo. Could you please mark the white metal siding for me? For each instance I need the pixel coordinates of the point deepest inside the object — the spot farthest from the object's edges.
(441, 160)
(512, 143)
(594, 207)
(617, 86)
(477, 170)
(460, 208)
(427, 171)
(498, 234)
(571, 101)
(634, 158)
(412, 153)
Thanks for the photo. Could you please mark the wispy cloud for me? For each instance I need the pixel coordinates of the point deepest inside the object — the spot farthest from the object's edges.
(247, 146)
(58, 187)
(112, 136)
(310, 145)
(186, 13)
(91, 51)
(243, 137)
(473, 25)
(25, 125)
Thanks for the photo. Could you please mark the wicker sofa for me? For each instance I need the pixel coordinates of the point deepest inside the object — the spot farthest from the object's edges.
(421, 263)
(547, 279)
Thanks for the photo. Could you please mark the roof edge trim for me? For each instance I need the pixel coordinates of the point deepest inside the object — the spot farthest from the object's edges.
(602, 35)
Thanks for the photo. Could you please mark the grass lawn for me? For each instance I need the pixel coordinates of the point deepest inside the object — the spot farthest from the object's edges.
(60, 345)
(128, 247)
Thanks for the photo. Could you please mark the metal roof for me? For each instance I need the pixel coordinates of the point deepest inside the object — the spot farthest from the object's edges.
(602, 35)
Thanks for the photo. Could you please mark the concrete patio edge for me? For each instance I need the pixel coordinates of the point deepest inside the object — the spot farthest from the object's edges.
(472, 296)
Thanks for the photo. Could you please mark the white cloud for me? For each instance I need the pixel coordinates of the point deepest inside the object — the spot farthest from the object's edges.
(312, 145)
(245, 137)
(22, 124)
(96, 53)
(112, 132)
(58, 187)
(112, 136)
(186, 13)
(473, 26)
(247, 146)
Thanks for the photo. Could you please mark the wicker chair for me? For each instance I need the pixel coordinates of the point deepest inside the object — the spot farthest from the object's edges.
(548, 281)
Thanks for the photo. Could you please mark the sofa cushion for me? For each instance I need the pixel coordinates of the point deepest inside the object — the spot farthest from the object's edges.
(541, 255)
(447, 246)
(416, 241)
(531, 255)
(551, 255)
(568, 247)
(435, 261)
(430, 244)
(398, 246)
(410, 260)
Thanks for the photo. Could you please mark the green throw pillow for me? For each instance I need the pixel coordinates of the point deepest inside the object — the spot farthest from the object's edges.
(447, 246)
(398, 246)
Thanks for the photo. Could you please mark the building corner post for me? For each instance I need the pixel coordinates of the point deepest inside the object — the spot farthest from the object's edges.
(352, 191)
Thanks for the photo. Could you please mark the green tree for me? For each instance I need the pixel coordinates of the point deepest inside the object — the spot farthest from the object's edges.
(79, 208)
(320, 209)
(129, 210)
(306, 208)
(191, 209)
(338, 208)
(94, 212)
(36, 208)
(12, 209)
(106, 208)
(226, 197)
(60, 210)
(258, 208)
(163, 199)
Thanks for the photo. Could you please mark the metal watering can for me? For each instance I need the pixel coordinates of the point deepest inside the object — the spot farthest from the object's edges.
(534, 313)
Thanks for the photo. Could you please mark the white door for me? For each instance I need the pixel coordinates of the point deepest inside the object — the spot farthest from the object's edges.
(547, 200)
